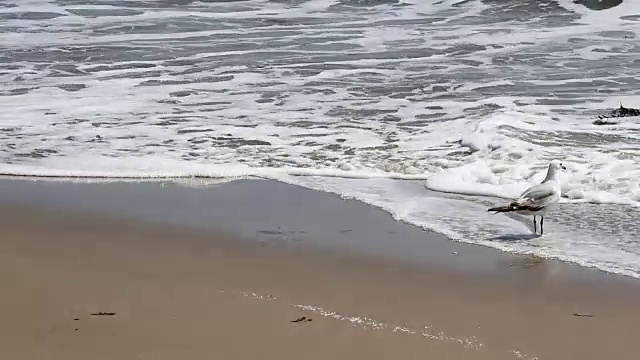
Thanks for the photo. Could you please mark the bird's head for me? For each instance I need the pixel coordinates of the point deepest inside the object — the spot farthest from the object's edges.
(556, 165)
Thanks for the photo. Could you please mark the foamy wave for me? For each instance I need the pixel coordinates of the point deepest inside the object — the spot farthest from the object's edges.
(512, 151)
(162, 168)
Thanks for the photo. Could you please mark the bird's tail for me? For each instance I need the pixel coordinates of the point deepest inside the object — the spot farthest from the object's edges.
(500, 209)
(515, 206)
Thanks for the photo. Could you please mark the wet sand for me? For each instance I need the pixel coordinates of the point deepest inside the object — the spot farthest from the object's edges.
(222, 271)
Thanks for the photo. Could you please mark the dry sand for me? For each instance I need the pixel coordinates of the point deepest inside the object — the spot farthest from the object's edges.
(185, 293)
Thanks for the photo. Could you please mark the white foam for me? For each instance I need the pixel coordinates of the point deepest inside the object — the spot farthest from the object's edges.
(427, 332)
(164, 168)
(509, 157)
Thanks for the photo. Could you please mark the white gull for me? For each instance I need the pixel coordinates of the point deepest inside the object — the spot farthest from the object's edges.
(538, 199)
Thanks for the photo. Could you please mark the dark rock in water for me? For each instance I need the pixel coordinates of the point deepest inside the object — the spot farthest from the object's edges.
(604, 122)
(624, 112)
(598, 4)
(72, 87)
(616, 113)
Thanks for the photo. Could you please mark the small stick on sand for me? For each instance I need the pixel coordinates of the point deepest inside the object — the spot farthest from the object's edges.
(301, 319)
(583, 315)
(103, 314)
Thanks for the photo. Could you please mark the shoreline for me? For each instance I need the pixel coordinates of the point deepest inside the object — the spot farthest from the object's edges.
(193, 272)
(116, 197)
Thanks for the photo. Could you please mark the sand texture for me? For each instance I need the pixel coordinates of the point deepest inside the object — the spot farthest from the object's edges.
(91, 286)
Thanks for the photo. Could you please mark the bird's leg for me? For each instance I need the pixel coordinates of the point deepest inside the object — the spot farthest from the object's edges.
(541, 225)
(535, 226)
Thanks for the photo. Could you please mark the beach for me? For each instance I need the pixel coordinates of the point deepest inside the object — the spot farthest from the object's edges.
(310, 179)
(257, 268)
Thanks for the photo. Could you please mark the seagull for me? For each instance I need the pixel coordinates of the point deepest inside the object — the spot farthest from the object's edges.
(538, 199)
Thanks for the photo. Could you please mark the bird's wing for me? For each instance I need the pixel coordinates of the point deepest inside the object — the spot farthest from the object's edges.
(537, 195)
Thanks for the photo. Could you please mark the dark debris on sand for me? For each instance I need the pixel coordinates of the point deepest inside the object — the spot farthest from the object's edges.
(616, 113)
(103, 314)
(583, 315)
(301, 319)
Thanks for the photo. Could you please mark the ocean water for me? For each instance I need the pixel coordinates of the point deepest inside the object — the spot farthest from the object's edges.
(431, 110)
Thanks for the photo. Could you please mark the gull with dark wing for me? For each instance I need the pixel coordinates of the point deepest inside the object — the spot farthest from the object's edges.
(538, 199)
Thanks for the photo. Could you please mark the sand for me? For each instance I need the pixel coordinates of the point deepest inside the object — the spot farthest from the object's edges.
(182, 290)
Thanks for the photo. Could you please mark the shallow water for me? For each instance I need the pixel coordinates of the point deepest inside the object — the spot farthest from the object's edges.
(374, 100)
